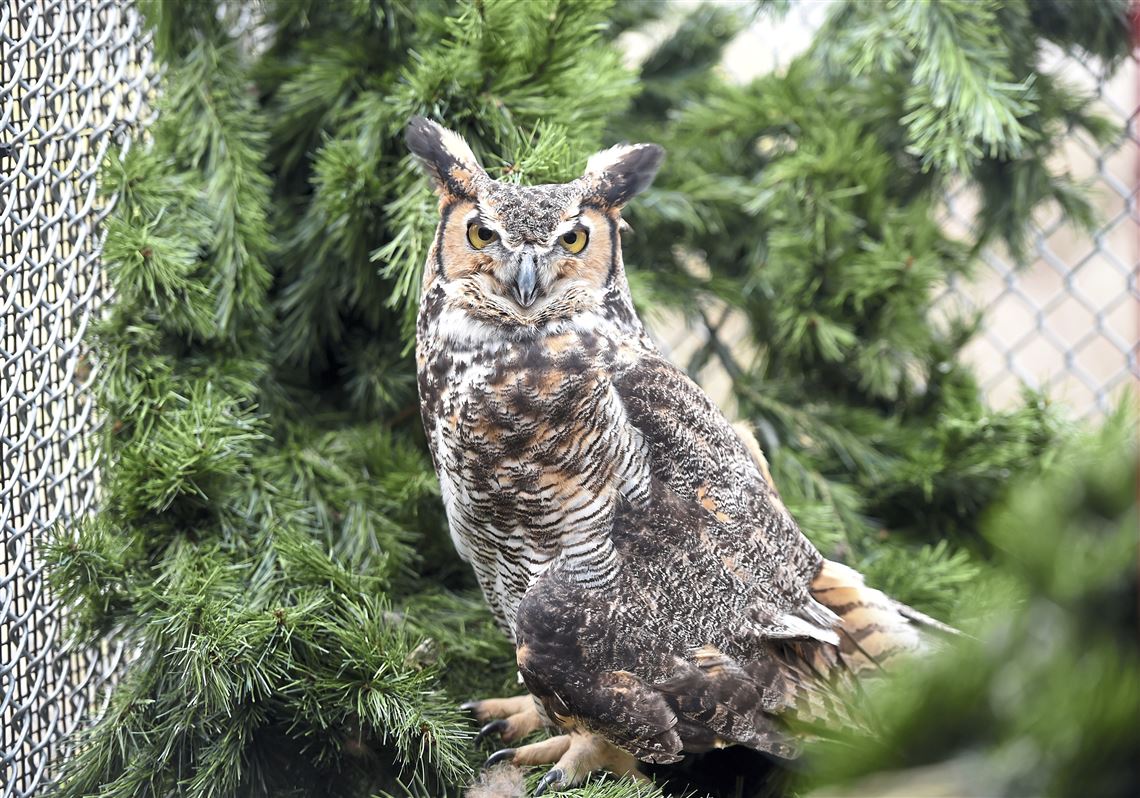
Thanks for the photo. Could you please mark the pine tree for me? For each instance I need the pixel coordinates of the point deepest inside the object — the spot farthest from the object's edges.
(813, 196)
(270, 546)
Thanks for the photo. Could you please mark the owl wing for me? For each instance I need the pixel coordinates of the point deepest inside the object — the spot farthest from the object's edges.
(698, 458)
(711, 629)
(793, 591)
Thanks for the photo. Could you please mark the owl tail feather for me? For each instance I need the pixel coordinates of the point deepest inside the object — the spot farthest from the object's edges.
(874, 628)
(873, 632)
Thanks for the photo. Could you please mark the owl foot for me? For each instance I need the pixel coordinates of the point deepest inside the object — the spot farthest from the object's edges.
(574, 756)
(509, 718)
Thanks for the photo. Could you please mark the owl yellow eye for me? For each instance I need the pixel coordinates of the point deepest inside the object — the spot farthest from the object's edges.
(574, 241)
(480, 236)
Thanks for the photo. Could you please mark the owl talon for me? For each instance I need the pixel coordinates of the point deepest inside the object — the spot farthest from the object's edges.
(502, 755)
(509, 718)
(498, 727)
(576, 756)
(553, 778)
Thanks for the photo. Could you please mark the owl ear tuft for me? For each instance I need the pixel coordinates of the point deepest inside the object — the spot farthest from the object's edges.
(617, 175)
(445, 157)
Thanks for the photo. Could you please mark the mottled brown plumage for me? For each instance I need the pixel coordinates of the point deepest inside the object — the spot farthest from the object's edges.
(626, 536)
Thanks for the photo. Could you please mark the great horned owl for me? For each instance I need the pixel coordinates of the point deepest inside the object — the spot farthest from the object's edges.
(628, 539)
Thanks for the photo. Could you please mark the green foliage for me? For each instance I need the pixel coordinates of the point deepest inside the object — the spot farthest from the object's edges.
(270, 546)
(1043, 701)
(976, 97)
(964, 102)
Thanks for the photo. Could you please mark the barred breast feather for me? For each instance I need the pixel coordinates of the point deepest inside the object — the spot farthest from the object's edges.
(533, 449)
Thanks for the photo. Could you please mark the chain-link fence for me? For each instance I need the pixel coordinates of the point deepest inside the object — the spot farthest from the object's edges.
(1067, 322)
(74, 78)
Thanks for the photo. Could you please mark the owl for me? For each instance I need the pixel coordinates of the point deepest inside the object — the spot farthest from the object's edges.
(627, 537)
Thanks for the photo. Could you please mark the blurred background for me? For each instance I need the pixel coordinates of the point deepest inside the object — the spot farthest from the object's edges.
(895, 240)
(1067, 320)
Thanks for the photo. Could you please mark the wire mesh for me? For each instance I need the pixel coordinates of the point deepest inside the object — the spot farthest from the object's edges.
(74, 78)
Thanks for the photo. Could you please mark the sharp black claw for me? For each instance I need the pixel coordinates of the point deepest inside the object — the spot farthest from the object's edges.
(553, 778)
(468, 706)
(501, 755)
(494, 727)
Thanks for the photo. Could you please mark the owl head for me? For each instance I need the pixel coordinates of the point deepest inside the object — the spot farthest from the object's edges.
(527, 256)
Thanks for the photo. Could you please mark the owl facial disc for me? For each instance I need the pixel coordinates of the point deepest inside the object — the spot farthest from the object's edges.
(528, 257)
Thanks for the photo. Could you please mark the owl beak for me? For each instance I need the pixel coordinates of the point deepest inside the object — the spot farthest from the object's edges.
(525, 281)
